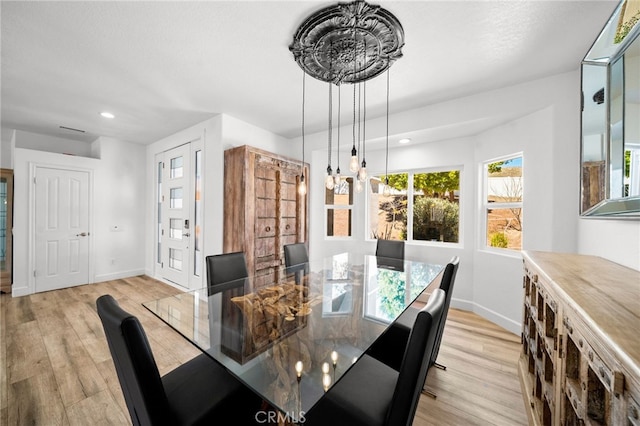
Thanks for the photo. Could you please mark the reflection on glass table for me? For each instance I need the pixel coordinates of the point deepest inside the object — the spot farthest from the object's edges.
(292, 340)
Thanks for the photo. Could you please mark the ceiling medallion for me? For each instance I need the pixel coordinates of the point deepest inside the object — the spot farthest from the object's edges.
(348, 42)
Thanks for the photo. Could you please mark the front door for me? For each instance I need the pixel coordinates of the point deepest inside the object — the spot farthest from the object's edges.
(62, 228)
(176, 225)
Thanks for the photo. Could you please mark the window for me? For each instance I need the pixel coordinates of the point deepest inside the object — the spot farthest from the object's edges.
(417, 207)
(503, 203)
(339, 209)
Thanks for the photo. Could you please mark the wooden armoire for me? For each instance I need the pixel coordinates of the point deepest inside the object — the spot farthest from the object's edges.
(263, 210)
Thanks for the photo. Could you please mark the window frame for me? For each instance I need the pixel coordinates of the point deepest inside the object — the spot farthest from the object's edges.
(484, 207)
(328, 207)
(410, 195)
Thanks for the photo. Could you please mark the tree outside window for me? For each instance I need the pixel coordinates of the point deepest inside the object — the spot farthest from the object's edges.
(418, 207)
(503, 203)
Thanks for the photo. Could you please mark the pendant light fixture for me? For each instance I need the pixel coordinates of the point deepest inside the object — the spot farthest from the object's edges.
(302, 185)
(329, 180)
(353, 164)
(348, 43)
(362, 173)
(337, 176)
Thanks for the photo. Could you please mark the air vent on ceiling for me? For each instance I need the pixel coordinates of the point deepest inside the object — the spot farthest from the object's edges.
(72, 129)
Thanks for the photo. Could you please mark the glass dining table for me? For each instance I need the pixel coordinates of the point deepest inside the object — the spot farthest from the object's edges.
(292, 339)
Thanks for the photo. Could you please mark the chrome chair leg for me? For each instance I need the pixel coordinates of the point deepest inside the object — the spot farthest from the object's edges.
(429, 393)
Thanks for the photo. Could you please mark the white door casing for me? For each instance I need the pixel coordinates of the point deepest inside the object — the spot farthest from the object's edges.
(62, 233)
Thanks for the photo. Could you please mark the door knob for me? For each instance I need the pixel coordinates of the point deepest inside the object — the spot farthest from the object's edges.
(82, 234)
(186, 234)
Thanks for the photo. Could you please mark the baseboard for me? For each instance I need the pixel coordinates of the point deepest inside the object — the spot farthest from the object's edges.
(504, 322)
(496, 318)
(118, 275)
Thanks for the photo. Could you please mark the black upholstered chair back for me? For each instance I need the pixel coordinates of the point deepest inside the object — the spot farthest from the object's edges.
(448, 279)
(296, 257)
(295, 254)
(392, 249)
(227, 268)
(136, 368)
(415, 363)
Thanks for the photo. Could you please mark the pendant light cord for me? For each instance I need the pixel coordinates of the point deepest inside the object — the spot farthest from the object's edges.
(338, 141)
(364, 106)
(303, 99)
(386, 161)
(330, 128)
(353, 148)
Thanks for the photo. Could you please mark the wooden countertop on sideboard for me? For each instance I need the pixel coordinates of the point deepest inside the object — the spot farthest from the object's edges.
(604, 293)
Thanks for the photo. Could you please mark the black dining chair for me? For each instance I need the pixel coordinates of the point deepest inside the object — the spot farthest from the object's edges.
(393, 249)
(198, 392)
(225, 271)
(373, 394)
(296, 258)
(295, 254)
(386, 347)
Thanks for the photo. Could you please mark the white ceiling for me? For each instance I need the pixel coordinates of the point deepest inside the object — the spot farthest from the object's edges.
(163, 66)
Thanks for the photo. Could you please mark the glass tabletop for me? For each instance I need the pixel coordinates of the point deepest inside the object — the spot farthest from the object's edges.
(290, 340)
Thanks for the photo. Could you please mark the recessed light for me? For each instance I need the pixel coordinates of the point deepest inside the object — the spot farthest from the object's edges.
(405, 140)
(106, 114)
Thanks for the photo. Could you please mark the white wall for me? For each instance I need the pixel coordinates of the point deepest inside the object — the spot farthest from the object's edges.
(7, 141)
(614, 239)
(120, 188)
(118, 194)
(39, 142)
(498, 276)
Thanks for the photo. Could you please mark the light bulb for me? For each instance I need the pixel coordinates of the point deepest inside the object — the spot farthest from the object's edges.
(326, 382)
(325, 367)
(299, 368)
(302, 186)
(363, 174)
(329, 183)
(386, 191)
(337, 177)
(334, 357)
(353, 164)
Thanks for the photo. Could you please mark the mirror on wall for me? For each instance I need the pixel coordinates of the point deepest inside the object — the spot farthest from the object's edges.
(610, 152)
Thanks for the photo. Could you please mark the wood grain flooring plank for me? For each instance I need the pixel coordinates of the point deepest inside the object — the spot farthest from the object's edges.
(36, 400)
(75, 371)
(108, 372)
(99, 409)
(26, 353)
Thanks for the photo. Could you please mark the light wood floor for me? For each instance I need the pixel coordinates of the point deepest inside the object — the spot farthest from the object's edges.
(55, 366)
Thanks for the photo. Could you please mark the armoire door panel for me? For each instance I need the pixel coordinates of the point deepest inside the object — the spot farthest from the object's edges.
(266, 227)
(288, 226)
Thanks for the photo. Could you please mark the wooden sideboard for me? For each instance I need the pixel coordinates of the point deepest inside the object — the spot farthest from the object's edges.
(580, 360)
(263, 210)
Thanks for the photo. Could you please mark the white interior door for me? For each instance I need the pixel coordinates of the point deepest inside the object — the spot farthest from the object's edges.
(61, 228)
(175, 213)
